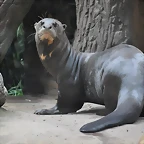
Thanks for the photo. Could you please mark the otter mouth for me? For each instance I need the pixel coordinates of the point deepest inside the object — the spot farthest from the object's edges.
(46, 36)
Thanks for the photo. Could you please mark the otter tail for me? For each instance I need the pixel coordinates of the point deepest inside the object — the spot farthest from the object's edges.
(126, 113)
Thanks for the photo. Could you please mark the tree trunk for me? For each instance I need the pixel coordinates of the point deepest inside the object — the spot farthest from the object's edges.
(102, 24)
(12, 13)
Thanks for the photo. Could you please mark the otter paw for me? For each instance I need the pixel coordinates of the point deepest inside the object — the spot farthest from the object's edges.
(42, 112)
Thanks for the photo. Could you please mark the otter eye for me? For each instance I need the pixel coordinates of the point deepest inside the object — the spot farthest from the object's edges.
(44, 27)
(50, 27)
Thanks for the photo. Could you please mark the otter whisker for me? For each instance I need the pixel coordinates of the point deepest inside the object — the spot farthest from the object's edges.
(31, 35)
(40, 17)
(47, 14)
(43, 16)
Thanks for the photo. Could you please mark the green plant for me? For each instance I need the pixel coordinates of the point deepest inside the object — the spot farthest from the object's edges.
(19, 43)
(16, 91)
(13, 64)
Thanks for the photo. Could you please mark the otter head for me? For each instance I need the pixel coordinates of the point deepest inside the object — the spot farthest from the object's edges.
(49, 29)
(50, 34)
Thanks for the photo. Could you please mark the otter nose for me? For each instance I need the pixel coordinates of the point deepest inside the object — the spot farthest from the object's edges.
(47, 27)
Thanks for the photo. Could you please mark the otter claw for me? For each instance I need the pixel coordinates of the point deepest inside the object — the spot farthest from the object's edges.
(41, 112)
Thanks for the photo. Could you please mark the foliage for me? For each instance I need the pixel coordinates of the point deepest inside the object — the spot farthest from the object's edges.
(12, 65)
(19, 45)
(17, 90)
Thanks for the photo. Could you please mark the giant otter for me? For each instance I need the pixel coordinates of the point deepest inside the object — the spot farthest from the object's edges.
(114, 77)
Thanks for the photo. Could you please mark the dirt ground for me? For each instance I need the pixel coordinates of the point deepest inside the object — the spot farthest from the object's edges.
(18, 125)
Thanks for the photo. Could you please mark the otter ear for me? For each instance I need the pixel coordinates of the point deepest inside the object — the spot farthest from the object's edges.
(35, 25)
(64, 26)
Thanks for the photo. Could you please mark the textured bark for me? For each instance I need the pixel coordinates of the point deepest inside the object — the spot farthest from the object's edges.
(3, 91)
(12, 13)
(105, 23)
(138, 24)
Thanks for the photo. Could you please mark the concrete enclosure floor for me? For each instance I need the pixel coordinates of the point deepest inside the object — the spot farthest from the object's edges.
(18, 124)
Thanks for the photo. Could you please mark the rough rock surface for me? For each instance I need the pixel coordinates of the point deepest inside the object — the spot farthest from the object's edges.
(3, 91)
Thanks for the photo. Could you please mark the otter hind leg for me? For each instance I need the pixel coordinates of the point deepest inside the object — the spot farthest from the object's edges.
(126, 112)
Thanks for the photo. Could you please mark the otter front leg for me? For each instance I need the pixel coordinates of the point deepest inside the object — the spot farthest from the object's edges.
(56, 110)
(52, 111)
(63, 106)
